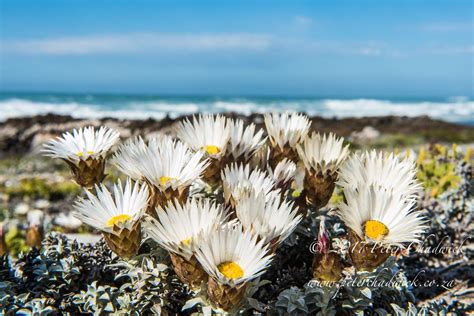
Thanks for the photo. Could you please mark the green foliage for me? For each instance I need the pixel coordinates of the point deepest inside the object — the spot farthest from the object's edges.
(32, 187)
(15, 241)
(358, 293)
(16, 164)
(4, 214)
(437, 169)
(7, 283)
(449, 136)
(337, 196)
(40, 188)
(101, 300)
(292, 301)
(397, 140)
(65, 277)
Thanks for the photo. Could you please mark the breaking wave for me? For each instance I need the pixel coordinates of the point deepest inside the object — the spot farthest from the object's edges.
(455, 110)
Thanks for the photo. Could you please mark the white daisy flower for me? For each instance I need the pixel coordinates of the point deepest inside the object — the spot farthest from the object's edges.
(231, 256)
(129, 155)
(273, 220)
(263, 159)
(244, 142)
(105, 211)
(286, 129)
(238, 181)
(179, 227)
(82, 144)
(207, 133)
(378, 215)
(171, 165)
(323, 153)
(284, 173)
(387, 171)
(161, 141)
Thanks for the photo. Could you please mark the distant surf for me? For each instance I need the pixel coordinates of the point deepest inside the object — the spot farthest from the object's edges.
(459, 109)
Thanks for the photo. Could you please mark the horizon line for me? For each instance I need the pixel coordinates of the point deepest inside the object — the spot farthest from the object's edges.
(240, 95)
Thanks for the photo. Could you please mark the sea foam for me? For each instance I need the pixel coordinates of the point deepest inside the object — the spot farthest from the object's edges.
(455, 110)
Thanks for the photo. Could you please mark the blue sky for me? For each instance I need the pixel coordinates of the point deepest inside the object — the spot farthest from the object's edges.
(379, 48)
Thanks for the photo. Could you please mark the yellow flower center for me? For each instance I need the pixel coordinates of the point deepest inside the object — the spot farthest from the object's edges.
(81, 153)
(212, 150)
(165, 180)
(117, 219)
(375, 230)
(231, 270)
(296, 193)
(187, 242)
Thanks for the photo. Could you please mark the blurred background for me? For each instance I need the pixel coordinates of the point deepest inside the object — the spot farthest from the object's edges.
(140, 59)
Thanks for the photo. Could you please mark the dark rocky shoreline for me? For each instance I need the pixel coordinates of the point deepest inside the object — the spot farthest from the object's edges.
(22, 135)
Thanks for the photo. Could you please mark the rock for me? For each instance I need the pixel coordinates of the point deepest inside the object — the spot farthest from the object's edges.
(35, 217)
(22, 209)
(20, 135)
(7, 134)
(368, 133)
(84, 238)
(154, 134)
(42, 204)
(39, 140)
(68, 221)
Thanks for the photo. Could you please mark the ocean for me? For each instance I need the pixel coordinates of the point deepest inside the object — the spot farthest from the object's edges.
(459, 109)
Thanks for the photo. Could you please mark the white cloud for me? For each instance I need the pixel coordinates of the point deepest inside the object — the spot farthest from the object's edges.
(448, 26)
(303, 21)
(369, 51)
(376, 49)
(156, 43)
(367, 48)
(448, 50)
(371, 48)
(144, 42)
